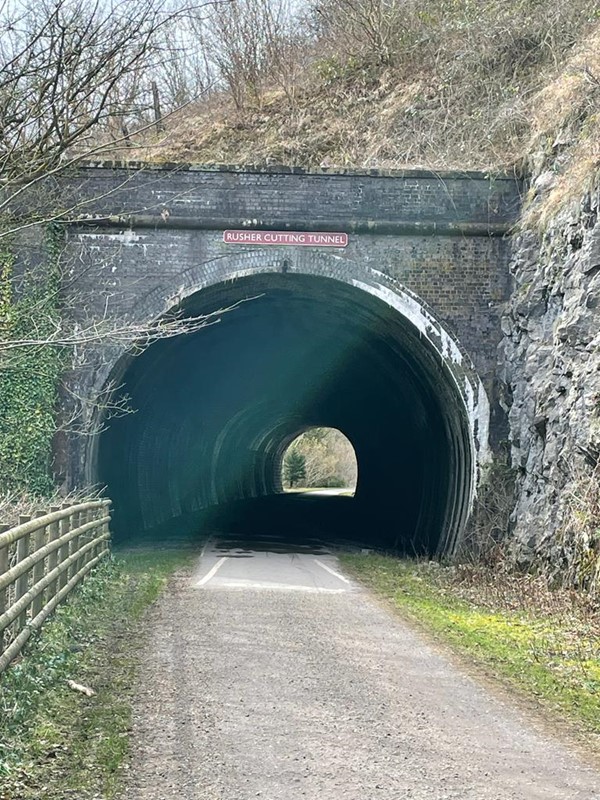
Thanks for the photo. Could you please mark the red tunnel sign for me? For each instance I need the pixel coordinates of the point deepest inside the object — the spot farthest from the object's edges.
(298, 238)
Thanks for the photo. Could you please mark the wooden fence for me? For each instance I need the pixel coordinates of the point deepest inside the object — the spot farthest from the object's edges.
(41, 560)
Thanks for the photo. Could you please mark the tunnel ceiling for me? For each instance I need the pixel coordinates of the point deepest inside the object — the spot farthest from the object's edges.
(216, 409)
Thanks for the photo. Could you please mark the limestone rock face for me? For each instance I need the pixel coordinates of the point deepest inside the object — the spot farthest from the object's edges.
(551, 362)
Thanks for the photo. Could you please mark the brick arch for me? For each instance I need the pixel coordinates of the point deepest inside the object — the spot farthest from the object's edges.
(368, 279)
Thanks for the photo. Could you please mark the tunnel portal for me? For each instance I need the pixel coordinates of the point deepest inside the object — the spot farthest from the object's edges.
(215, 411)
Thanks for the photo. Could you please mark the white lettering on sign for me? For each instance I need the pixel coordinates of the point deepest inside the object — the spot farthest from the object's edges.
(300, 238)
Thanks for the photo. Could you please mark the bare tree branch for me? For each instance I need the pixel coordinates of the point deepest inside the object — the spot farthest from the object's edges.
(70, 70)
(137, 336)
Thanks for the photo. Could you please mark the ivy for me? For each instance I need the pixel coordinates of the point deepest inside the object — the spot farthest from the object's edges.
(29, 376)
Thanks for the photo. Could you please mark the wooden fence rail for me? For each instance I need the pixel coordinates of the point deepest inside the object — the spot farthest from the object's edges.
(41, 560)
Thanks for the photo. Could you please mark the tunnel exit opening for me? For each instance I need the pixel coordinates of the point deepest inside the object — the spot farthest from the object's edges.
(216, 409)
(319, 459)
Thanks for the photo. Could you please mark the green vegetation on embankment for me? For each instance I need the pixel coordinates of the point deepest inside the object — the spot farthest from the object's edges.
(56, 742)
(29, 374)
(542, 642)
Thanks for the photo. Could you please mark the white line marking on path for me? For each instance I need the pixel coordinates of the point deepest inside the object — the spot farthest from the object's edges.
(332, 571)
(233, 583)
(203, 551)
(212, 572)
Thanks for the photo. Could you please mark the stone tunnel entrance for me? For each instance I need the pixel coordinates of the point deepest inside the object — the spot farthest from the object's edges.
(216, 410)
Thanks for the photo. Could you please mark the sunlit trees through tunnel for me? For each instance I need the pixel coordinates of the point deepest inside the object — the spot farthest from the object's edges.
(215, 411)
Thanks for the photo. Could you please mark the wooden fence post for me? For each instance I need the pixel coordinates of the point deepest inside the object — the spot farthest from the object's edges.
(53, 533)
(75, 517)
(22, 580)
(3, 592)
(63, 552)
(39, 540)
(85, 517)
(105, 528)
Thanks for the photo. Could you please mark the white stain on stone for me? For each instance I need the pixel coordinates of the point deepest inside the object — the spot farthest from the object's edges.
(474, 395)
(418, 315)
(483, 416)
(125, 237)
(412, 309)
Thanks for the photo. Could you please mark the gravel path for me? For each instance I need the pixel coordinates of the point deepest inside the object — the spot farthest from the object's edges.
(281, 693)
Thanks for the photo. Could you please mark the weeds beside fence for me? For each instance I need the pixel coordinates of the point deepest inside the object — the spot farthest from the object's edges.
(41, 560)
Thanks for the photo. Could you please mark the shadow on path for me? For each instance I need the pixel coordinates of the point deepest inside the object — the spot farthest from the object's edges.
(278, 523)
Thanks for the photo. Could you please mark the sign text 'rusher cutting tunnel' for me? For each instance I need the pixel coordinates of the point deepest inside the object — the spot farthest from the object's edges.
(298, 238)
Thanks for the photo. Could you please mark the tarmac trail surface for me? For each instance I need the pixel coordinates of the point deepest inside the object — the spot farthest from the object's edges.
(270, 675)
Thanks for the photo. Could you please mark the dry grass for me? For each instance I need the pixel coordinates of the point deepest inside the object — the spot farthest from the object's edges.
(464, 86)
(566, 127)
(502, 587)
(573, 559)
(562, 573)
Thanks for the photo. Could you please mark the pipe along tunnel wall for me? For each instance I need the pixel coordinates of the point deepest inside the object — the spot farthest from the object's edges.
(216, 410)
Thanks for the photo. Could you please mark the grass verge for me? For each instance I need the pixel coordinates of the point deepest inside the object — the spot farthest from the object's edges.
(57, 743)
(548, 650)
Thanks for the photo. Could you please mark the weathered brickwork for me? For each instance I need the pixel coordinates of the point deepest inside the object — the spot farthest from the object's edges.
(145, 262)
(142, 273)
(293, 195)
(148, 238)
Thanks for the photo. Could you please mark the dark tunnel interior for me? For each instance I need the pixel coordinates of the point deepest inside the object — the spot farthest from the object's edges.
(215, 411)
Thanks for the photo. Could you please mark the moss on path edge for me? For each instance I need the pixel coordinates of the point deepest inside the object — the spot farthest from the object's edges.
(550, 656)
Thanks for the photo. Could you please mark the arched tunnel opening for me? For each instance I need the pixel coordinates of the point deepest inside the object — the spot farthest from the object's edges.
(320, 459)
(216, 409)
